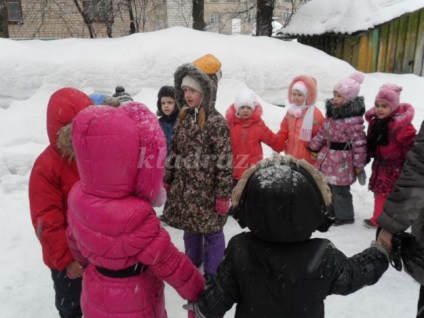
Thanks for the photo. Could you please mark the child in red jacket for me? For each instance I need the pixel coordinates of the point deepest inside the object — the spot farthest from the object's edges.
(52, 177)
(248, 131)
(390, 136)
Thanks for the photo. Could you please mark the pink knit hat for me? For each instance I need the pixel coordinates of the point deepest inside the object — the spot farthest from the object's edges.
(349, 87)
(390, 94)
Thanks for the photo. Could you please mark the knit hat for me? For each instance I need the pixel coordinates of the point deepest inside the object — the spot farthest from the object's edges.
(210, 65)
(246, 97)
(102, 99)
(164, 91)
(301, 87)
(121, 95)
(349, 87)
(390, 94)
(190, 81)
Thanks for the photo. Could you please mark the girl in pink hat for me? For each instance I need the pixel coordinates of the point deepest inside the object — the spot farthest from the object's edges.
(302, 120)
(341, 145)
(390, 136)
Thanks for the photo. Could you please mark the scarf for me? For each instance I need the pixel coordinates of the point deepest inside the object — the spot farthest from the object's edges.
(379, 134)
(308, 120)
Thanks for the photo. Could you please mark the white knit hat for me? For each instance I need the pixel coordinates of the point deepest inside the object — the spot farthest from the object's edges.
(301, 87)
(246, 97)
(190, 81)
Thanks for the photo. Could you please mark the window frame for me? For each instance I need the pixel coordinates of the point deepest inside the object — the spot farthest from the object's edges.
(18, 6)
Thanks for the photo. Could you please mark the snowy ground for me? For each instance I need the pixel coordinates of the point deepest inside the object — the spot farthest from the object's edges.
(33, 70)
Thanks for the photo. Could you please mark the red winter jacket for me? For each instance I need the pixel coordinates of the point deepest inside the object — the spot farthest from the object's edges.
(246, 138)
(53, 176)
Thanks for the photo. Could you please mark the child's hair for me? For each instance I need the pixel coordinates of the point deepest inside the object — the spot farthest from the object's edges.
(390, 94)
(307, 82)
(349, 87)
(165, 91)
(246, 97)
(282, 199)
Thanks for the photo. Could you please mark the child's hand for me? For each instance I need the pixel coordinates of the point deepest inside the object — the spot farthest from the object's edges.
(222, 205)
(193, 310)
(74, 270)
(314, 155)
(358, 170)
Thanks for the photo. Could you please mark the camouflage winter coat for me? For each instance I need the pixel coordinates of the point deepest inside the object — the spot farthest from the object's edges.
(199, 165)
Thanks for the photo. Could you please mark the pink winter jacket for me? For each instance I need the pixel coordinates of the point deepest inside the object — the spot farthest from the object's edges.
(341, 142)
(120, 154)
(388, 160)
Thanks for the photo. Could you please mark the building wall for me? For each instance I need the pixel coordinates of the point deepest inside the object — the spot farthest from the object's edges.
(61, 19)
(393, 47)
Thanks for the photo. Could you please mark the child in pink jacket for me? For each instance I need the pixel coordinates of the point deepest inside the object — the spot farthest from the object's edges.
(390, 136)
(342, 145)
(113, 228)
(302, 120)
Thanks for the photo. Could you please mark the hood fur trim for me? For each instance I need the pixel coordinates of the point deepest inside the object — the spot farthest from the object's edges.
(64, 142)
(320, 180)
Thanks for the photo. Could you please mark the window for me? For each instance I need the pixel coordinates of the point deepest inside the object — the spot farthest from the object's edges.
(14, 11)
(98, 10)
(215, 18)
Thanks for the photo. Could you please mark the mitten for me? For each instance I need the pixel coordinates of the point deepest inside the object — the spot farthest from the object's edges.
(362, 177)
(193, 310)
(222, 205)
(406, 250)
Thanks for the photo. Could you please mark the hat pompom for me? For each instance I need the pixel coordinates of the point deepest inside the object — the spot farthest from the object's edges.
(390, 94)
(358, 77)
(122, 95)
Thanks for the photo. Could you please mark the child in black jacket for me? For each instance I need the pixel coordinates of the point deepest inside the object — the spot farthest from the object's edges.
(276, 269)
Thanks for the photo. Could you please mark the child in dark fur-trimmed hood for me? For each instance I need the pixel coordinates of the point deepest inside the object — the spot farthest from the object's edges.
(199, 164)
(276, 269)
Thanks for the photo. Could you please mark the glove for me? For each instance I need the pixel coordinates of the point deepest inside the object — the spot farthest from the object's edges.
(314, 154)
(406, 250)
(362, 177)
(222, 205)
(193, 310)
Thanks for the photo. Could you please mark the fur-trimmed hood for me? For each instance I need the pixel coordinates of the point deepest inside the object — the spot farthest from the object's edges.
(282, 199)
(311, 85)
(209, 85)
(352, 108)
(63, 106)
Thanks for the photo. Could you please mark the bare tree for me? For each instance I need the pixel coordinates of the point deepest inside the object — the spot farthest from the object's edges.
(245, 12)
(4, 31)
(198, 15)
(265, 9)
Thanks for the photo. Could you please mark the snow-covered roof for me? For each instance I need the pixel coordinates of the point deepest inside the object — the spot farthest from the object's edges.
(347, 16)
